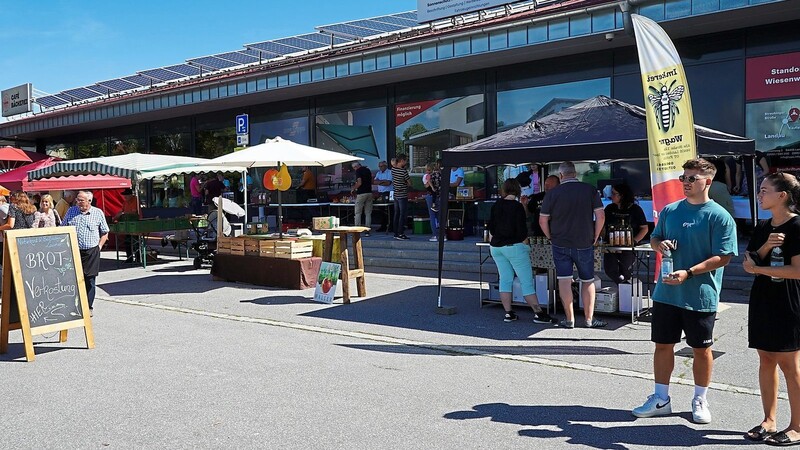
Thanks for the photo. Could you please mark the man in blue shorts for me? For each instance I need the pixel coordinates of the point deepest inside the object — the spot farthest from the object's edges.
(572, 217)
(701, 237)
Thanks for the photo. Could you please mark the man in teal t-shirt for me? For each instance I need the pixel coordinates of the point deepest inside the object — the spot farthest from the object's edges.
(701, 237)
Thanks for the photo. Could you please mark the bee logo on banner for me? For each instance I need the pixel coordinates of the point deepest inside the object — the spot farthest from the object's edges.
(665, 103)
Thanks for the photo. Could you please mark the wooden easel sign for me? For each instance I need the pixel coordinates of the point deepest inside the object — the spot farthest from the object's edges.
(43, 286)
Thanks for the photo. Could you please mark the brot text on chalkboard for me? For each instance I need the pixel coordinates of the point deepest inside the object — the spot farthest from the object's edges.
(43, 286)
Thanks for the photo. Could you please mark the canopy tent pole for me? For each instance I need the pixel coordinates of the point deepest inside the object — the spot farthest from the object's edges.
(244, 188)
(280, 210)
(444, 197)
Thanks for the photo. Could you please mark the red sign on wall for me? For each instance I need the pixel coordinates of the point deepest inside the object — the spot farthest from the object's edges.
(773, 76)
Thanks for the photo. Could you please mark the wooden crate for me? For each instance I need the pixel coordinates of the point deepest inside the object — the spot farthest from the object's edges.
(293, 249)
(237, 246)
(266, 248)
(251, 246)
(224, 245)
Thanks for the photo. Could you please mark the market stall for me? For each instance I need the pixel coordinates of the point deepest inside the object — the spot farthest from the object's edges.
(273, 153)
(597, 129)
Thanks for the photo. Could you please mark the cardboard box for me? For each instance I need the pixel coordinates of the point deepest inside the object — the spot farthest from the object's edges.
(627, 301)
(606, 300)
(542, 290)
(516, 292)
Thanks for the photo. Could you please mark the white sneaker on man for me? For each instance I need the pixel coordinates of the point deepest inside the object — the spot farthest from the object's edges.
(654, 406)
(434, 239)
(700, 411)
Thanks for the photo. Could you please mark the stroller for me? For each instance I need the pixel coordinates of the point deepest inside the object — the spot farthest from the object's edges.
(206, 243)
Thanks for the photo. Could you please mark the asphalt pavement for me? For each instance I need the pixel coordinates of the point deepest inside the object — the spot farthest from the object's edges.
(183, 361)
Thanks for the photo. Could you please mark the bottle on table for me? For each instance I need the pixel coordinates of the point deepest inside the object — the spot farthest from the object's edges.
(776, 260)
(612, 235)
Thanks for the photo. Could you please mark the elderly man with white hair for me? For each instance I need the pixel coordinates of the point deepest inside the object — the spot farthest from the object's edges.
(92, 231)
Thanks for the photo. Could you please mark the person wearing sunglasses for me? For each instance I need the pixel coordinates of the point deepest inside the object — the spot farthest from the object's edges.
(685, 300)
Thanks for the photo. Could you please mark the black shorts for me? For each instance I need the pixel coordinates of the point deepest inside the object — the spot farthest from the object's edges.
(669, 321)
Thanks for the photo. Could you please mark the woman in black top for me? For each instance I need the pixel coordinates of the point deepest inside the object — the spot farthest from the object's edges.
(622, 208)
(511, 252)
(21, 213)
(773, 326)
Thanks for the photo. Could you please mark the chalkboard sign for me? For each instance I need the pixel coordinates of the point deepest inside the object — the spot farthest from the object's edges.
(43, 285)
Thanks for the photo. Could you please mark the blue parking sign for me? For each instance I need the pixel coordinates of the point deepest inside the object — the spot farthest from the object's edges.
(242, 124)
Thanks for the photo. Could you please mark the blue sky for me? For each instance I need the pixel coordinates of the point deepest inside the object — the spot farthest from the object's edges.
(59, 44)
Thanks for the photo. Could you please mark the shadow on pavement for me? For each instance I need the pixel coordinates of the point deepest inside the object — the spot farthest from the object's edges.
(475, 350)
(415, 309)
(16, 350)
(198, 282)
(569, 422)
(282, 300)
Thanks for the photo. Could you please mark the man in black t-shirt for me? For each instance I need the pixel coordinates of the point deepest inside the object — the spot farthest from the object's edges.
(535, 205)
(363, 191)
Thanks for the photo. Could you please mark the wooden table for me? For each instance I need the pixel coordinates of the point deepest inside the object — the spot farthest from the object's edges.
(347, 272)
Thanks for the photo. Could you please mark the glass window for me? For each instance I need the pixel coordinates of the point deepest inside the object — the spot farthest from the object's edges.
(678, 8)
(480, 43)
(498, 40)
(251, 85)
(429, 53)
(384, 61)
(369, 63)
(445, 49)
(517, 36)
(537, 33)
(558, 29)
(398, 58)
(653, 11)
(90, 147)
(317, 73)
(272, 82)
(580, 25)
(63, 150)
(342, 69)
(179, 99)
(223, 91)
(358, 132)
(127, 140)
(241, 88)
(355, 66)
(215, 134)
(214, 91)
(518, 106)
(305, 76)
(170, 137)
(283, 80)
(413, 55)
(294, 77)
(424, 128)
(463, 46)
(603, 21)
(330, 71)
(261, 84)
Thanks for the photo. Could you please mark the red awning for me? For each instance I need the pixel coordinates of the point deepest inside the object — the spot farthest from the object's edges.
(76, 182)
(13, 178)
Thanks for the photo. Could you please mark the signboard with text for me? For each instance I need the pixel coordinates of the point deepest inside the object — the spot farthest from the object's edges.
(17, 100)
(776, 76)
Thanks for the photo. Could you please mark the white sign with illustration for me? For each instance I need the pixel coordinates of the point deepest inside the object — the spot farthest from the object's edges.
(327, 280)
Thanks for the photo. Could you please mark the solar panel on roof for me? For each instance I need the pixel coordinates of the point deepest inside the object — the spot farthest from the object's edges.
(118, 84)
(81, 93)
(213, 63)
(161, 74)
(349, 30)
(50, 101)
(322, 38)
(102, 89)
(184, 69)
(374, 25)
(239, 57)
(138, 80)
(278, 49)
(412, 15)
(301, 43)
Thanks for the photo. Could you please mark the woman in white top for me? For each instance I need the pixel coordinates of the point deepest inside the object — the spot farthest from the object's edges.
(47, 216)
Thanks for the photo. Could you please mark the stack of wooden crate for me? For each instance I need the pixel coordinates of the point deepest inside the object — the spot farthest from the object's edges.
(224, 245)
(293, 249)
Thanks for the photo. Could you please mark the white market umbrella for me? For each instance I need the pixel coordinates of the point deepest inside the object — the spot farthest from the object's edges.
(274, 152)
(229, 207)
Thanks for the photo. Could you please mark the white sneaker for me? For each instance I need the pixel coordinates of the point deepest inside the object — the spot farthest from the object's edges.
(654, 406)
(434, 239)
(700, 411)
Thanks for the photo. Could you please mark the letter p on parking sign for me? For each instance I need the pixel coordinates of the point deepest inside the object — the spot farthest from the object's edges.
(242, 124)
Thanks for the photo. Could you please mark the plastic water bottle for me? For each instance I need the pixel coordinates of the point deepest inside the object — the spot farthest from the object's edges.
(666, 264)
(776, 260)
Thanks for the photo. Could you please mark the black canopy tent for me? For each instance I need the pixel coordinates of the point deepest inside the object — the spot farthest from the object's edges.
(599, 129)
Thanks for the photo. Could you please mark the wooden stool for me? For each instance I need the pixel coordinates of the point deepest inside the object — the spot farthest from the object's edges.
(347, 272)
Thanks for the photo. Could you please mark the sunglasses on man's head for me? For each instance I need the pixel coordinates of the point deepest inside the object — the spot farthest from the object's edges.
(690, 178)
